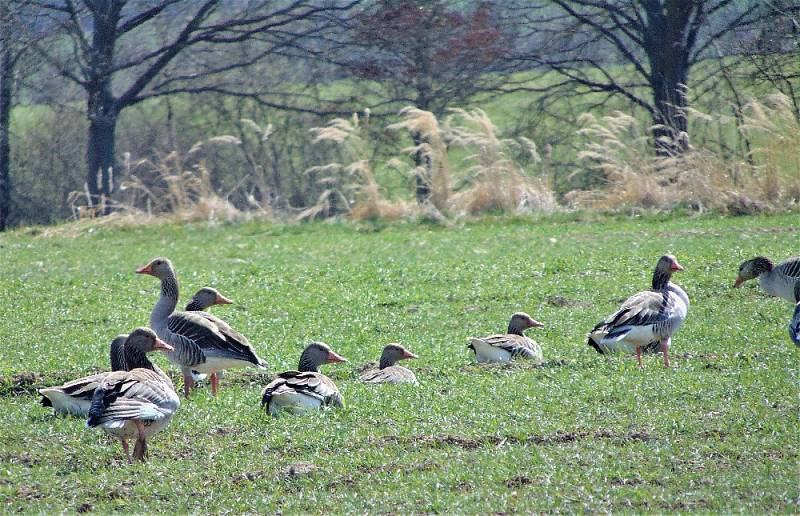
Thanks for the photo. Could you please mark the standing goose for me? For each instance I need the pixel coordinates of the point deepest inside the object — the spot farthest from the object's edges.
(305, 389)
(514, 344)
(649, 316)
(794, 324)
(135, 404)
(127, 352)
(774, 280)
(388, 372)
(202, 342)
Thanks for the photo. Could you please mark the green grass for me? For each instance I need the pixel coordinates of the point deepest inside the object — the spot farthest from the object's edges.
(717, 432)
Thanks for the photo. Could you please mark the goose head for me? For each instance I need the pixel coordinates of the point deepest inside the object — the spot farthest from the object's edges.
(520, 321)
(316, 354)
(161, 268)
(751, 269)
(208, 296)
(393, 353)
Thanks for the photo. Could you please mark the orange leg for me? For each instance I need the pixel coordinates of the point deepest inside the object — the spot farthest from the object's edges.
(665, 351)
(127, 450)
(140, 450)
(639, 355)
(214, 384)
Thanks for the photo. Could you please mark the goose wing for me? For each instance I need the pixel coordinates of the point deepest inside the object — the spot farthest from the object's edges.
(790, 268)
(518, 346)
(73, 396)
(237, 345)
(212, 337)
(139, 394)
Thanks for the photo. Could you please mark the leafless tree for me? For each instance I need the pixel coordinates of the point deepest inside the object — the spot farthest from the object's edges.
(123, 52)
(629, 48)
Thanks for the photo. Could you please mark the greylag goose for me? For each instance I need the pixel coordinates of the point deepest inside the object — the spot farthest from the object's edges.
(388, 372)
(514, 344)
(647, 317)
(135, 404)
(75, 397)
(305, 389)
(777, 280)
(202, 342)
(794, 324)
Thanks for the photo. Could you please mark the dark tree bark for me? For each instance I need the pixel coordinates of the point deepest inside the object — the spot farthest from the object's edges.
(6, 78)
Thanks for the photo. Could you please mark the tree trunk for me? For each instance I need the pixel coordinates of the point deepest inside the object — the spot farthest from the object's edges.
(668, 55)
(6, 78)
(100, 153)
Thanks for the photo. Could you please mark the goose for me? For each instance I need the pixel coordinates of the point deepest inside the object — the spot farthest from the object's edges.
(794, 324)
(514, 344)
(75, 397)
(306, 389)
(777, 280)
(202, 342)
(388, 372)
(647, 317)
(135, 404)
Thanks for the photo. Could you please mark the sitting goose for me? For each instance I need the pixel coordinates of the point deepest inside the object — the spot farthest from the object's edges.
(514, 344)
(774, 280)
(305, 389)
(75, 397)
(136, 403)
(202, 342)
(388, 372)
(646, 317)
(794, 324)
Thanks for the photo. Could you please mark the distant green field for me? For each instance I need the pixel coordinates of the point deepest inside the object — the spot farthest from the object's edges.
(717, 432)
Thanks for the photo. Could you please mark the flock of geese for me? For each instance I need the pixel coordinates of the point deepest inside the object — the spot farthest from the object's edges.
(137, 399)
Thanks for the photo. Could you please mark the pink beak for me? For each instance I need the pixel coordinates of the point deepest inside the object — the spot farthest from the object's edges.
(147, 269)
(333, 357)
(676, 266)
(738, 282)
(533, 323)
(222, 300)
(160, 344)
(408, 354)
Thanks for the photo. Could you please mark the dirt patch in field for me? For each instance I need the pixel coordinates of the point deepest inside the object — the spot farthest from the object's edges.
(471, 443)
(562, 302)
(19, 383)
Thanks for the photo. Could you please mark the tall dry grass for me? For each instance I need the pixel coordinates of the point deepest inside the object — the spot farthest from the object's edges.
(493, 180)
(349, 185)
(618, 147)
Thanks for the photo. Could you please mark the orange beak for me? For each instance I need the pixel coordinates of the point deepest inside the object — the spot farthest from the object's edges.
(147, 269)
(408, 354)
(738, 282)
(160, 344)
(222, 300)
(333, 357)
(676, 266)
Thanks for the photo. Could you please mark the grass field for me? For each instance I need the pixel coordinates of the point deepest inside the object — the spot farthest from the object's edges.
(717, 432)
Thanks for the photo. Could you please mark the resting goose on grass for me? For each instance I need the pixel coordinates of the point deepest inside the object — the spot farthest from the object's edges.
(794, 324)
(306, 389)
(511, 346)
(388, 371)
(202, 342)
(127, 352)
(135, 404)
(777, 280)
(649, 316)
